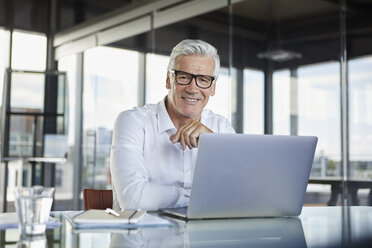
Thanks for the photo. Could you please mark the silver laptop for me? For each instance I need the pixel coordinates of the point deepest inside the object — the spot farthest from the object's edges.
(242, 175)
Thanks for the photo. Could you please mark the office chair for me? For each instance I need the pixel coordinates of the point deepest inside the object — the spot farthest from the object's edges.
(97, 198)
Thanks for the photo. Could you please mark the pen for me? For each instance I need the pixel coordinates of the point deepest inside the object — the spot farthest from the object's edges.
(130, 217)
(111, 211)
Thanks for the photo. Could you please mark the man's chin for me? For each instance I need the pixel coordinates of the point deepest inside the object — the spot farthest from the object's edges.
(191, 111)
(191, 114)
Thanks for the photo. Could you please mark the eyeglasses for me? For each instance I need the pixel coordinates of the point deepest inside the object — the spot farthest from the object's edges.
(185, 78)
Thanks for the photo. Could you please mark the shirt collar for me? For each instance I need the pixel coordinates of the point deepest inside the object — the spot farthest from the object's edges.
(164, 121)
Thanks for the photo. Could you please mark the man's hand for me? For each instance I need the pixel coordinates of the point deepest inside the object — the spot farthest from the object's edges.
(188, 134)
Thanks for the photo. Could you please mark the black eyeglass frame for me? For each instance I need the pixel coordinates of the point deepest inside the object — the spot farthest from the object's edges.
(175, 72)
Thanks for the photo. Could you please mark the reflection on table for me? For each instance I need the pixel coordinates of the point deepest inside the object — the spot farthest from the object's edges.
(257, 232)
(354, 184)
(315, 227)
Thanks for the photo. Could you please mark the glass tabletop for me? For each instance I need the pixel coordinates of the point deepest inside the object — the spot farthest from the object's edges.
(315, 227)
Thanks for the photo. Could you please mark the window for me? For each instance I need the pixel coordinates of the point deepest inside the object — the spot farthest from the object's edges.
(156, 74)
(64, 173)
(29, 51)
(27, 92)
(319, 114)
(253, 101)
(110, 87)
(281, 102)
(360, 117)
(68, 65)
(220, 103)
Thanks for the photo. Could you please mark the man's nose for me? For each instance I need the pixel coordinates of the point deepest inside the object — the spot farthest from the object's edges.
(192, 85)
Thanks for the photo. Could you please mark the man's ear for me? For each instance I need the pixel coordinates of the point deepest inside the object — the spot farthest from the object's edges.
(213, 90)
(167, 82)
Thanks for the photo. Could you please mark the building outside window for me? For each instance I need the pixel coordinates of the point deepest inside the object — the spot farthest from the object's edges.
(110, 87)
(319, 114)
(360, 118)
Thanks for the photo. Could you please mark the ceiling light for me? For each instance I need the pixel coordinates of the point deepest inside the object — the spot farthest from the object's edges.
(279, 55)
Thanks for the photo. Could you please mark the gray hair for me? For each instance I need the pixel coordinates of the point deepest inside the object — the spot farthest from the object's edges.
(194, 47)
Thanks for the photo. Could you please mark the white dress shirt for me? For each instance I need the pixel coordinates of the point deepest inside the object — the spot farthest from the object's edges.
(148, 171)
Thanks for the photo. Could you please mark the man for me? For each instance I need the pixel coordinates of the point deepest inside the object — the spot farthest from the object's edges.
(154, 147)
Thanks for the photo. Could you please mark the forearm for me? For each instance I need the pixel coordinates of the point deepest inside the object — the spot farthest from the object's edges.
(133, 187)
(151, 196)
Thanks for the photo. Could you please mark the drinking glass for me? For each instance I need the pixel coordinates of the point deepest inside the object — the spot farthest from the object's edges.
(33, 206)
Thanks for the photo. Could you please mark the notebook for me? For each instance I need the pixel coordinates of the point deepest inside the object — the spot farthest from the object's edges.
(99, 220)
(100, 216)
(241, 175)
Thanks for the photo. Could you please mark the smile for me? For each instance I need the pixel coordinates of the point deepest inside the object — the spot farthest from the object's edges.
(190, 99)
